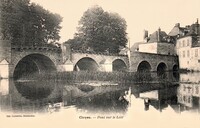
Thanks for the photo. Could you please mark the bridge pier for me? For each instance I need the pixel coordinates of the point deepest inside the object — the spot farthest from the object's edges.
(4, 87)
(4, 69)
(68, 66)
(107, 66)
(5, 58)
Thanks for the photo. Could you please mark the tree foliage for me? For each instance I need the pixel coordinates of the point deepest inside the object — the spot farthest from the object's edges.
(100, 31)
(26, 23)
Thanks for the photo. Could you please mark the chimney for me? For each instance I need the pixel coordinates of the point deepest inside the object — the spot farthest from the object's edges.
(158, 34)
(197, 27)
(145, 35)
(177, 25)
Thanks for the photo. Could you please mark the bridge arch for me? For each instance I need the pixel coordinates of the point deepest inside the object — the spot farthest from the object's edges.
(86, 63)
(161, 70)
(144, 66)
(175, 68)
(175, 71)
(33, 64)
(119, 65)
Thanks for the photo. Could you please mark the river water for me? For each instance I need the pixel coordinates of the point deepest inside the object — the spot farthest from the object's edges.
(53, 96)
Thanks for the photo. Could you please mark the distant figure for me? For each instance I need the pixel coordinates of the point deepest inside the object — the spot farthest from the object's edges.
(146, 104)
(50, 108)
(126, 96)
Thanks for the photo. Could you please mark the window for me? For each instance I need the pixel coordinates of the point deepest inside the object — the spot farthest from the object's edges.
(188, 53)
(196, 52)
(184, 88)
(197, 89)
(183, 54)
(189, 99)
(183, 43)
(184, 99)
(188, 42)
(179, 43)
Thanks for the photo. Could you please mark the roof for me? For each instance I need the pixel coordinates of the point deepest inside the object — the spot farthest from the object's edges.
(154, 37)
(4, 62)
(189, 30)
(176, 30)
(135, 46)
(124, 51)
(192, 29)
(68, 61)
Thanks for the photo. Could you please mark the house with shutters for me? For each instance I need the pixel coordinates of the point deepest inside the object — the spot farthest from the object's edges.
(187, 45)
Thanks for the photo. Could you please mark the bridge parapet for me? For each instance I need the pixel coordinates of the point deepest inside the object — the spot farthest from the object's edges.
(97, 53)
(46, 48)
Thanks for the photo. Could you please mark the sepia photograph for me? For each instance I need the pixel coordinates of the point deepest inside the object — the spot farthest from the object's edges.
(100, 63)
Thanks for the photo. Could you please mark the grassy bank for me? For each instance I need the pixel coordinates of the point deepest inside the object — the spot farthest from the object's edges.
(88, 76)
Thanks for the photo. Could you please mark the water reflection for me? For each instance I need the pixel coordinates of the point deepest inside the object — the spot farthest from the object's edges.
(101, 99)
(160, 98)
(53, 96)
(30, 96)
(35, 90)
(188, 92)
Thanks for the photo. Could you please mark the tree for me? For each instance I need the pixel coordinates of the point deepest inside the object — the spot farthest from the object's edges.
(26, 23)
(101, 31)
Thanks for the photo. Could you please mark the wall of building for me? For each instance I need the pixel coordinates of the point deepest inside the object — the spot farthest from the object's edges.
(148, 48)
(157, 48)
(189, 56)
(166, 49)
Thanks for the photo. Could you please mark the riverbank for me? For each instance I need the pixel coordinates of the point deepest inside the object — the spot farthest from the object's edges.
(102, 78)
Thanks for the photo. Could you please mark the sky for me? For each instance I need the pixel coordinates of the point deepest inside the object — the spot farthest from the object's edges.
(140, 15)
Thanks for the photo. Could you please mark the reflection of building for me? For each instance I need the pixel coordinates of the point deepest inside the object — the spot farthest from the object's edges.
(189, 95)
(192, 77)
(185, 95)
(189, 91)
(161, 98)
(187, 45)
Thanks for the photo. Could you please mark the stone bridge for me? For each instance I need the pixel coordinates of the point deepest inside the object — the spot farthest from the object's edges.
(16, 61)
(79, 60)
(34, 59)
(153, 62)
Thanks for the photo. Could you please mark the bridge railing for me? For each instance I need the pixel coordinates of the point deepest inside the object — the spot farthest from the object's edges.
(42, 48)
(97, 53)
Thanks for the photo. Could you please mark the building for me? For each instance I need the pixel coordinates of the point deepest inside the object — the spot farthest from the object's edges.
(187, 45)
(157, 43)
